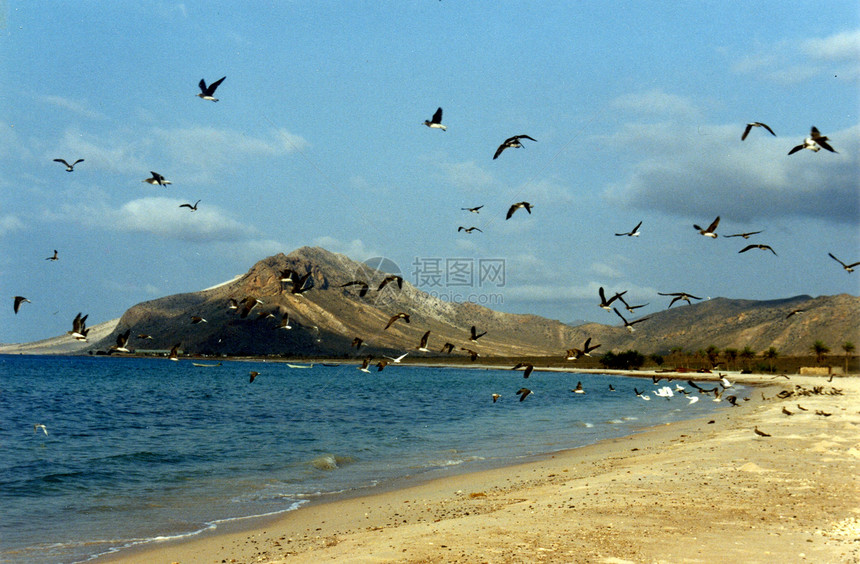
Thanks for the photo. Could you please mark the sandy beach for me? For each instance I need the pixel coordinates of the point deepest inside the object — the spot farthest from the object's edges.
(708, 490)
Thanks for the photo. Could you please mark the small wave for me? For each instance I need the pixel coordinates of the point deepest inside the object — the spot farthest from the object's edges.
(331, 461)
(585, 424)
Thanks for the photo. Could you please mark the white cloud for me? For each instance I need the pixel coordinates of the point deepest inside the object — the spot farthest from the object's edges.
(838, 47)
(793, 62)
(657, 102)
(355, 249)
(10, 223)
(755, 179)
(73, 106)
(467, 175)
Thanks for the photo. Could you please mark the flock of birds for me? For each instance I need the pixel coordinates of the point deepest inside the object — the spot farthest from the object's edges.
(300, 283)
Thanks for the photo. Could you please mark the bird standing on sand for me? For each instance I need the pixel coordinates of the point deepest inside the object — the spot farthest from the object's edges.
(756, 124)
(69, 167)
(527, 206)
(207, 92)
(710, 231)
(436, 121)
(403, 316)
(511, 143)
(849, 268)
(760, 433)
(17, 301)
(156, 179)
(815, 142)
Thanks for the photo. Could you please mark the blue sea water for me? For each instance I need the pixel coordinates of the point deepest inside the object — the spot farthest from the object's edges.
(144, 449)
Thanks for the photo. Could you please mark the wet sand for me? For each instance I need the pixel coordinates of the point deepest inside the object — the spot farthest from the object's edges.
(706, 490)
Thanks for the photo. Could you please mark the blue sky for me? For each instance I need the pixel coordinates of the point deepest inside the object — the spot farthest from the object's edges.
(317, 139)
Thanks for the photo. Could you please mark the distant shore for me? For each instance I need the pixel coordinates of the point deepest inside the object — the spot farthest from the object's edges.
(700, 490)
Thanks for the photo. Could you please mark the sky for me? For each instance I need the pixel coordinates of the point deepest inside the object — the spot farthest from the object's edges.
(318, 140)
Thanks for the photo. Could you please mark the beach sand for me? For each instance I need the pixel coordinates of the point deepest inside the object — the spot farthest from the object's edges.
(707, 490)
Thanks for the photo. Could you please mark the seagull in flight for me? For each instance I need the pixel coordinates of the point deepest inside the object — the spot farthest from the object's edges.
(629, 324)
(39, 427)
(679, 296)
(391, 278)
(362, 291)
(815, 142)
(174, 352)
(744, 235)
(476, 209)
(69, 167)
(422, 346)
(528, 207)
(524, 393)
(54, 256)
(18, 300)
(403, 316)
(436, 121)
(474, 335)
(156, 179)
(632, 233)
(207, 92)
(526, 366)
(79, 327)
(710, 231)
(763, 247)
(189, 206)
(365, 364)
(604, 303)
(253, 374)
(398, 359)
(848, 267)
(468, 229)
(512, 143)
(756, 124)
(121, 342)
(631, 308)
(473, 355)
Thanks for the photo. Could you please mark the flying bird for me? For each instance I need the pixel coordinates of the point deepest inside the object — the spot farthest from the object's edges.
(476, 209)
(436, 121)
(629, 324)
(144, 336)
(528, 207)
(39, 427)
(632, 233)
(631, 308)
(403, 316)
(744, 235)
(301, 285)
(398, 359)
(468, 229)
(18, 300)
(285, 322)
(391, 278)
(79, 327)
(121, 342)
(512, 143)
(756, 124)
(447, 348)
(380, 366)
(253, 374)
(848, 267)
(496, 397)
(195, 319)
(578, 389)
(641, 395)
(357, 342)
(189, 206)
(524, 393)
(795, 312)
(422, 346)
(53, 257)
(815, 142)
(604, 303)
(763, 247)
(472, 354)
(156, 179)
(573, 354)
(474, 335)
(710, 231)
(362, 291)
(207, 92)
(174, 352)
(679, 296)
(365, 364)
(69, 167)
(527, 368)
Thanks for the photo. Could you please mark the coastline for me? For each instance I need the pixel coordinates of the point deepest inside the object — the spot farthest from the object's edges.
(696, 490)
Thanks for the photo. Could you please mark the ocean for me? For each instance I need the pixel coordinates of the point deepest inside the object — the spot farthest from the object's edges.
(139, 450)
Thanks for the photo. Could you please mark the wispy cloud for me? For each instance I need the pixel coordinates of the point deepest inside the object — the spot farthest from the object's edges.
(793, 62)
(843, 46)
(657, 102)
(355, 249)
(80, 108)
(467, 175)
(10, 223)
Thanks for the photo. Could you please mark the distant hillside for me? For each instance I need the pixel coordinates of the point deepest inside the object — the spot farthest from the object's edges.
(326, 318)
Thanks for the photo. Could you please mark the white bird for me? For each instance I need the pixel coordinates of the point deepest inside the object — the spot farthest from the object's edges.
(38, 426)
(398, 359)
(285, 322)
(815, 142)
(693, 399)
(641, 395)
(664, 392)
(725, 382)
(156, 179)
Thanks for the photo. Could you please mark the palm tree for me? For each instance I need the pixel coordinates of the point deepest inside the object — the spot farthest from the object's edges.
(747, 354)
(848, 347)
(819, 349)
(770, 355)
(731, 356)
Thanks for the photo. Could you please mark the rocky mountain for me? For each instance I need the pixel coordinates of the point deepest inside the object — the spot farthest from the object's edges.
(326, 319)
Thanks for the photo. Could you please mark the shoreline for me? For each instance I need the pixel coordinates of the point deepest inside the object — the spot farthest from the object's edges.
(694, 490)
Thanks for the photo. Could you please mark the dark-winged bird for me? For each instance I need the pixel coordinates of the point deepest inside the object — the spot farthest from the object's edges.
(511, 143)
(16, 304)
(69, 167)
(763, 247)
(528, 207)
(815, 142)
(207, 92)
(756, 124)
(436, 121)
(403, 316)
(710, 231)
(848, 267)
